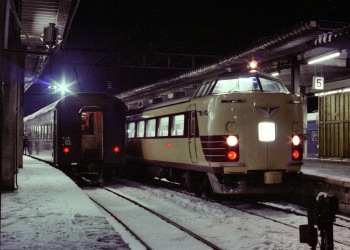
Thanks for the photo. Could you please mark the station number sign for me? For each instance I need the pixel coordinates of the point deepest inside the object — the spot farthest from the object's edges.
(317, 82)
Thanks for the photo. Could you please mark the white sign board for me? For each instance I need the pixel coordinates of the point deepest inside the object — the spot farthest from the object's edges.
(317, 82)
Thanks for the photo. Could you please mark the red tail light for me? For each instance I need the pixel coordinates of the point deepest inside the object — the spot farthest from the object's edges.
(296, 154)
(116, 149)
(66, 150)
(232, 155)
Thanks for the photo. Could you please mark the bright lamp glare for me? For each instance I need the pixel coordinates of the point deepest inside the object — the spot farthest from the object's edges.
(232, 140)
(267, 131)
(296, 140)
(253, 64)
(323, 58)
(63, 88)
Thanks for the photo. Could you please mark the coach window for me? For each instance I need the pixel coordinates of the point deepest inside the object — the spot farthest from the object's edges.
(178, 125)
(163, 126)
(50, 131)
(87, 123)
(140, 129)
(44, 129)
(38, 134)
(151, 128)
(131, 130)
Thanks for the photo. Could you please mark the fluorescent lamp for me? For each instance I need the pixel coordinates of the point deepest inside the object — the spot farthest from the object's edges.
(275, 73)
(324, 57)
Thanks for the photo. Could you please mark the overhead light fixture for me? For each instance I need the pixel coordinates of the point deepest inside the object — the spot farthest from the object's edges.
(324, 57)
(275, 73)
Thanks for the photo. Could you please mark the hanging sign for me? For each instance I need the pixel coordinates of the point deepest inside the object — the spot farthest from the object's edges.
(317, 82)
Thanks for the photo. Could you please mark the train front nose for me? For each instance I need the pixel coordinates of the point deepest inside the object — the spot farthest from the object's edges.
(269, 127)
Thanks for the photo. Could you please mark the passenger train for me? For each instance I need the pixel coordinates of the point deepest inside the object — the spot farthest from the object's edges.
(238, 134)
(82, 134)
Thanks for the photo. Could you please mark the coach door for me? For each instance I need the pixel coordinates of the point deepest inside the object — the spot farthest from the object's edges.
(192, 133)
(91, 120)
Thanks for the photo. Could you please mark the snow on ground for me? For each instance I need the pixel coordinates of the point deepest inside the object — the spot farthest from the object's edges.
(339, 170)
(224, 226)
(48, 211)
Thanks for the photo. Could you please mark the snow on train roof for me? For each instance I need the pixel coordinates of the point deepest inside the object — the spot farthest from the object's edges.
(54, 104)
(42, 111)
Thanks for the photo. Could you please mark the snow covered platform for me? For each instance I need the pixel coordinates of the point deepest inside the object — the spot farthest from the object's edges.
(49, 211)
(331, 176)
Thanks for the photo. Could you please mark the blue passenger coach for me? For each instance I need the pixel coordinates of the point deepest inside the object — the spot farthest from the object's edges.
(82, 133)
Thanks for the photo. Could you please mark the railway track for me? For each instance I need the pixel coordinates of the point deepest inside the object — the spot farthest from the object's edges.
(196, 240)
(254, 210)
(341, 223)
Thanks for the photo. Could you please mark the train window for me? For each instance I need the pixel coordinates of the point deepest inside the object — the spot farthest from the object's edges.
(140, 128)
(38, 134)
(163, 126)
(178, 125)
(87, 123)
(200, 90)
(236, 85)
(151, 128)
(273, 86)
(131, 130)
(205, 90)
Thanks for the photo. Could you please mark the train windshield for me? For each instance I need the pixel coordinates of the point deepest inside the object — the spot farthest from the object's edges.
(248, 84)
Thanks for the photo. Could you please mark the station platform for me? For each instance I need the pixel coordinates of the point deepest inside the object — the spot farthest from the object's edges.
(49, 211)
(330, 176)
(332, 169)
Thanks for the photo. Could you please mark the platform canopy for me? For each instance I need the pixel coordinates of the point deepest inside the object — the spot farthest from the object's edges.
(281, 52)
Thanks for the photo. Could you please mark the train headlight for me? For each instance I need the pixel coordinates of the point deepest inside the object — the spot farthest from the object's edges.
(232, 140)
(296, 140)
(253, 66)
(267, 131)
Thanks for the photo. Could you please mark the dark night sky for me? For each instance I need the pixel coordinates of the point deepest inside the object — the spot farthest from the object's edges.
(148, 26)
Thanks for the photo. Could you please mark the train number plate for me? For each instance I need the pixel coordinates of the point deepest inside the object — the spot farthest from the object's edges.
(272, 177)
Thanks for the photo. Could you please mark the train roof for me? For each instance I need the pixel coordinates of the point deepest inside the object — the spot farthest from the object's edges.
(53, 105)
(159, 105)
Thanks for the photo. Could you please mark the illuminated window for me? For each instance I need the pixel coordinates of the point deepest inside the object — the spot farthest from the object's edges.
(178, 125)
(131, 130)
(87, 123)
(163, 126)
(141, 129)
(245, 84)
(151, 128)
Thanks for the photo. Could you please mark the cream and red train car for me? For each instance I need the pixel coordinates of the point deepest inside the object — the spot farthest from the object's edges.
(238, 134)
